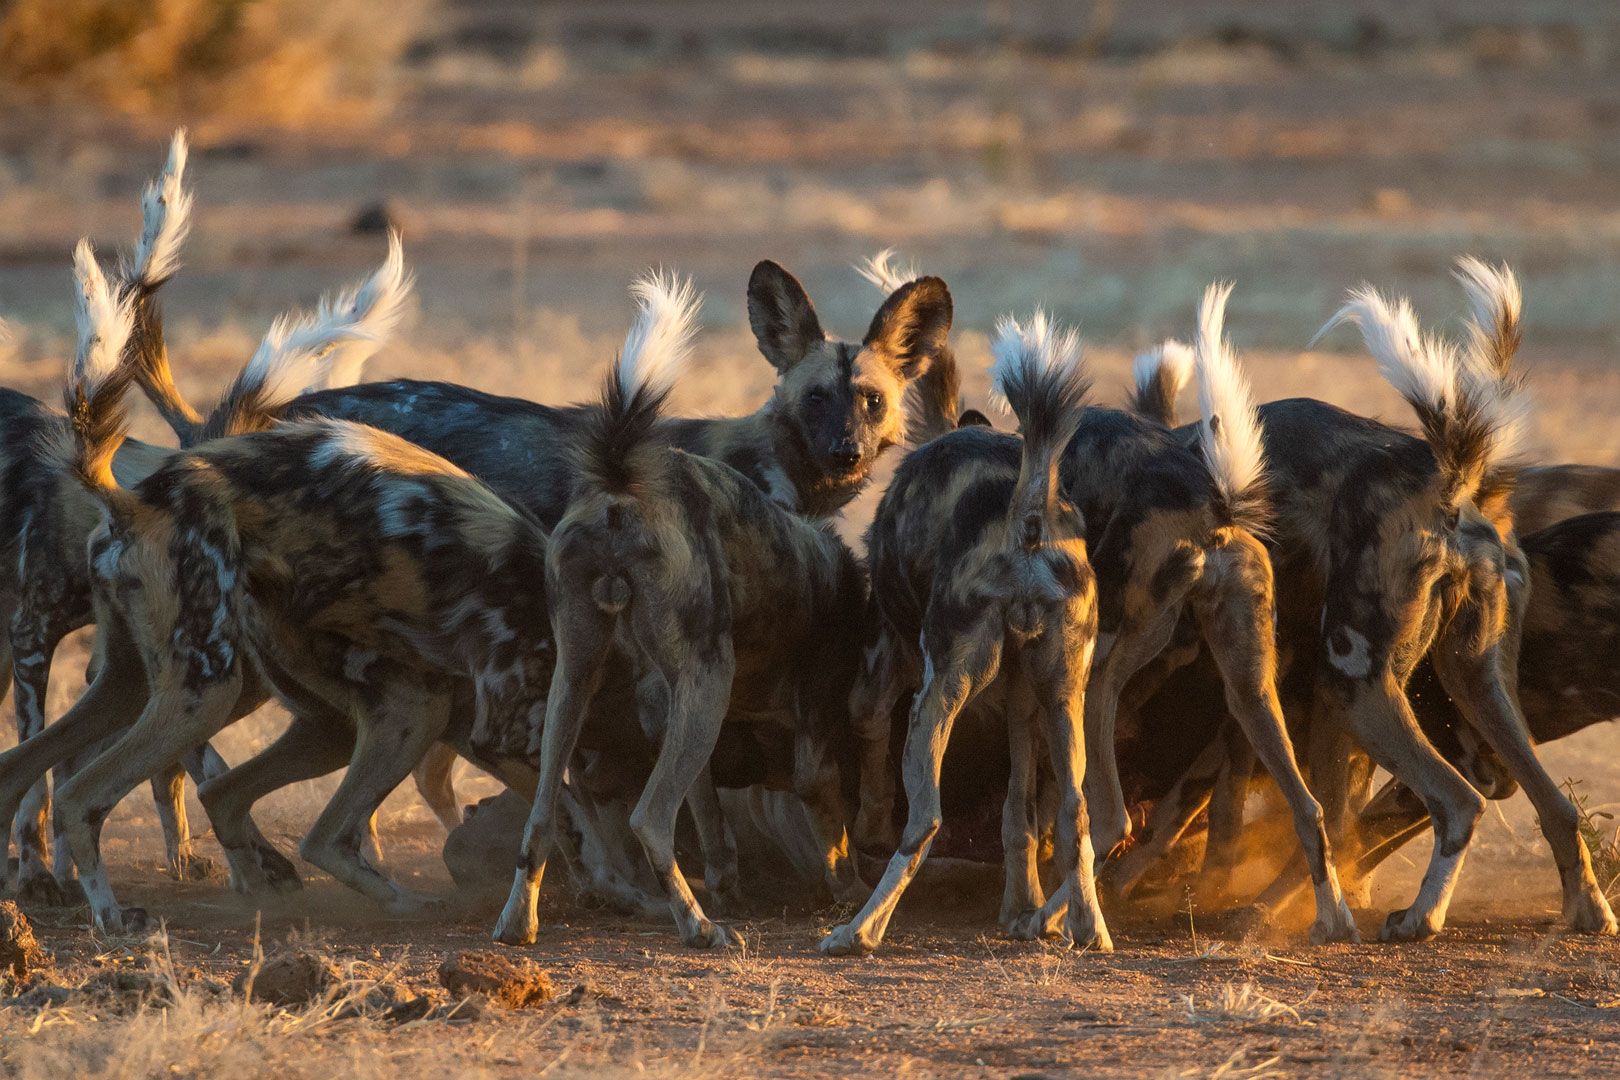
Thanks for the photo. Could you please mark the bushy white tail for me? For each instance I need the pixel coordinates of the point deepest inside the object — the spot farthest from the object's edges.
(305, 352)
(614, 447)
(1469, 402)
(1038, 376)
(1159, 375)
(94, 394)
(881, 271)
(660, 339)
(1229, 425)
(165, 221)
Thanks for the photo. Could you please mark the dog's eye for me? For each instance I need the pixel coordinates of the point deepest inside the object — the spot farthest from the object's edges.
(815, 395)
(874, 401)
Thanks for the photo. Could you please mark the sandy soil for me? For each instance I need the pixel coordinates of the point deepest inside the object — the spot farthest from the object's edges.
(1030, 153)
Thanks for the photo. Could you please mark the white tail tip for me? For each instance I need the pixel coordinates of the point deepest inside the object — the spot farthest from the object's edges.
(165, 219)
(1029, 348)
(882, 272)
(660, 339)
(1421, 369)
(374, 311)
(1229, 429)
(104, 322)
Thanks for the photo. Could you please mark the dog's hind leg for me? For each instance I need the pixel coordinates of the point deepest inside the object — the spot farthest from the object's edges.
(1470, 660)
(700, 688)
(952, 673)
(1021, 890)
(816, 780)
(313, 745)
(435, 785)
(34, 634)
(581, 655)
(1235, 610)
(1171, 817)
(392, 739)
(1145, 625)
(889, 675)
(176, 718)
(718, 843)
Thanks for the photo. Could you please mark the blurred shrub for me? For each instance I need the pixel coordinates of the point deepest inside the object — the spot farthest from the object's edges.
(290, 62)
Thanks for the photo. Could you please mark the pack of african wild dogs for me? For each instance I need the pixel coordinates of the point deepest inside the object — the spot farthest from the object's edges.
(622, 614)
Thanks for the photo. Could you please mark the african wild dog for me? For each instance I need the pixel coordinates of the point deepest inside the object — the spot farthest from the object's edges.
(835, 409)
(136, 615)
(1175, 532)
(731, 610)
(45, 518)
(1392, 547)
(1568, 675)
(978, 558)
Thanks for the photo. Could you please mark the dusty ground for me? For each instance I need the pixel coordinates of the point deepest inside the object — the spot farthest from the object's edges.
(1030, 153)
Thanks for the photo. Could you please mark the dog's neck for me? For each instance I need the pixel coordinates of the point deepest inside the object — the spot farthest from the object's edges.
(768, 449)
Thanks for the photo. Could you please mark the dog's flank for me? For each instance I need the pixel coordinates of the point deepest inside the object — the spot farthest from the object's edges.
(1158, 377)
(1229, 428)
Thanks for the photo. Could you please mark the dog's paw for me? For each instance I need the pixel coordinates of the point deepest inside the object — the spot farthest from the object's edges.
(846, 940)
(1407, 925)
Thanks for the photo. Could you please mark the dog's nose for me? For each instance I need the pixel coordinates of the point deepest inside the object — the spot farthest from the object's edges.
(845, 454)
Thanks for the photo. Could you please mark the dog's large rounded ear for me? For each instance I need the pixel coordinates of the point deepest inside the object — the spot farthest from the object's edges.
(784, 322)
(910, 328)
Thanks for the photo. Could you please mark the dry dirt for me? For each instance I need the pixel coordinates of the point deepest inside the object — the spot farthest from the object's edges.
(540, 156)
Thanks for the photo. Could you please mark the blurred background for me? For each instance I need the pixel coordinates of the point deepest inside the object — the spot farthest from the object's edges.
(1104, 158)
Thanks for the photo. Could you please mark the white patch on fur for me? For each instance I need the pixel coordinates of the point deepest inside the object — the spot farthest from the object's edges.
(1355, 663)
(660, 340)
(1172, 357)
(781, 489)
(165, 219)
(1028, 348)
(1230, 428)
(104, 322)
(881, 271)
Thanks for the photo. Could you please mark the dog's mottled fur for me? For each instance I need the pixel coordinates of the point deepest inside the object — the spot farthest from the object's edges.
(730, 609)
(166, 581)
(979, 560)
(1392, 547)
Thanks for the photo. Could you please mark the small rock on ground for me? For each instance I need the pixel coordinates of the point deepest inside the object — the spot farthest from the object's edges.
(513, 982)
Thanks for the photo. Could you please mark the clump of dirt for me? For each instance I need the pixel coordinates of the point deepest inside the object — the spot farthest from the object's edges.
(19, 951)
(289, 978)
(515, 982)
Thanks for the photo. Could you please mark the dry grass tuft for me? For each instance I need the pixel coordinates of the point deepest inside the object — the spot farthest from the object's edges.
(1605, 849)
(1234, 1002)
(288, 62)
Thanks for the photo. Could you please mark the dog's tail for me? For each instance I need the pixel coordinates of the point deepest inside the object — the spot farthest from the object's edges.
(615, 451)
(94, 396)
(1039, 376)
(616, 454)
(165, 223)
(1487, 370)
(934, 399)
(1229, 428)
(1159, 375)
(313, 352)
(1466, 404)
